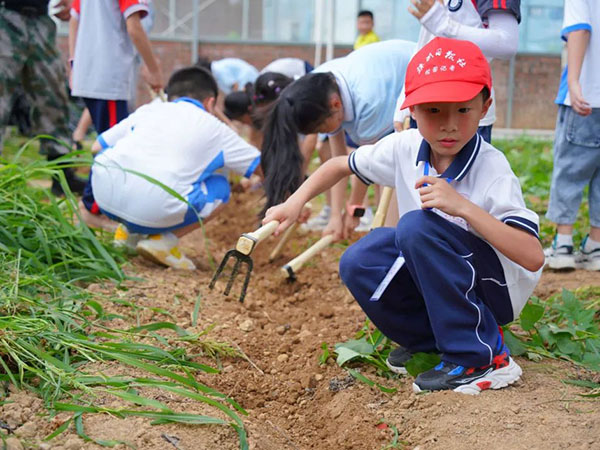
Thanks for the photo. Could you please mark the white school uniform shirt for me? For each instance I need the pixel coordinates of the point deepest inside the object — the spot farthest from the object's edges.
(470, 13)
(368, 78)
(479, 172)
(583, 15)
(104, 59)
(230, 71)
(177, 143)
(290, 67)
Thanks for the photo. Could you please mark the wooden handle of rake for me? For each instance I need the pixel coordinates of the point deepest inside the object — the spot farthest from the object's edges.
(382, 208)
(290, 269)
(284, 240)
(248, 241)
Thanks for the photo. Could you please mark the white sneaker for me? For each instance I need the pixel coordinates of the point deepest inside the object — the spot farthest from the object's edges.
(587, 260)
(123, 238)
(319, 222)
(163, 249)
(364, 225)
(560, 258)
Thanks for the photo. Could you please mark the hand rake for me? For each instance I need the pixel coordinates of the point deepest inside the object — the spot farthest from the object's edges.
(241, 253)
(284, 240)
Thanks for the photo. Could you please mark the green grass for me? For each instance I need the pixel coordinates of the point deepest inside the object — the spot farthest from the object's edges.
(54, 333)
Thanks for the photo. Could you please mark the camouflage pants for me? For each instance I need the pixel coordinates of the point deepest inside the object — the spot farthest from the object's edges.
(29, 59)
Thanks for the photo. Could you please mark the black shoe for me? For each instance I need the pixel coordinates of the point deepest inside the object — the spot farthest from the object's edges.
(76, 184)
(448, 376)
(397, 359)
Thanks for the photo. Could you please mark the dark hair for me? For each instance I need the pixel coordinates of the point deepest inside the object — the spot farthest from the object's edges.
(238, 104)
(485, 94)
(204, 62)
(192, 82)
(301, 108)
(365, 12)
(267, 89)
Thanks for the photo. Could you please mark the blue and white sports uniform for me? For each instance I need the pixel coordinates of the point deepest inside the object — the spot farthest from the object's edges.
(368, 111)
(233, 71)
(182, 146)
(432, 284)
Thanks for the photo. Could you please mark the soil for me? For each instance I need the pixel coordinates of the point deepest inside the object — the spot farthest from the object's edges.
(292, 401)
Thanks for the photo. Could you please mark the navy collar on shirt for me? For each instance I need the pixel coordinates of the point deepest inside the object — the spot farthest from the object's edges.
(190, 100)
(462, 162)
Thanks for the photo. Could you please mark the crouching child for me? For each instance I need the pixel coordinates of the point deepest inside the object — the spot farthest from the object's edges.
(465, 255)
(181, 145)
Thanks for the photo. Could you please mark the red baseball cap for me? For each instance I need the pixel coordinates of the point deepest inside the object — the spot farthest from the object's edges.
(446, 70)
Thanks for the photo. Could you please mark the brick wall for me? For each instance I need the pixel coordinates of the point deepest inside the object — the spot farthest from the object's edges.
(536, 76)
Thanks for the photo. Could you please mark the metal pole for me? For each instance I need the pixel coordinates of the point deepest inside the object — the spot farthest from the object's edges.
(330, 29)
(510, 92)
(318, 31)
(172, 16)
(245, 18)
(196, 11)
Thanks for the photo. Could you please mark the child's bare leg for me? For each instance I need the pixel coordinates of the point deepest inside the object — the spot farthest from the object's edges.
(85, 122)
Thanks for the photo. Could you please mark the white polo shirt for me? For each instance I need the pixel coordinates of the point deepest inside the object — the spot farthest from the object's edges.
(104, 59)
(479, 172)
(290, 67)
(177, 143)
(579, 15)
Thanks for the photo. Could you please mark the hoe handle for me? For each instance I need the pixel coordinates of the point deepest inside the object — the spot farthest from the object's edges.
(296, 264)
(382, 208)
(248, 241)
(284, 240)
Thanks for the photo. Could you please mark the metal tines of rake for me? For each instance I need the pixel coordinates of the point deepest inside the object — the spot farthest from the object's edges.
(241, 254)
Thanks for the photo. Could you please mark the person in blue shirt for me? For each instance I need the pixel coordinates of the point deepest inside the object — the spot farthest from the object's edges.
(341, 95)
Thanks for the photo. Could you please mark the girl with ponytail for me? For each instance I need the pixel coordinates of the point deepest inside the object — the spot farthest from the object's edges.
(354, 94)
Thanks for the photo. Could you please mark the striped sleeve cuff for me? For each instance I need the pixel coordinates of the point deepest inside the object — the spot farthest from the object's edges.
(102, 142)
(524, 224)
(353, 168)
(576, 27)
(252, 167)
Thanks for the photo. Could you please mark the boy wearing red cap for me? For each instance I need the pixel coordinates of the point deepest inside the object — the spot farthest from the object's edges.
(465, 255)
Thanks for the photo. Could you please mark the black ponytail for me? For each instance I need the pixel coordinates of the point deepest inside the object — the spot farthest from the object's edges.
(301, 108)
(267, 88)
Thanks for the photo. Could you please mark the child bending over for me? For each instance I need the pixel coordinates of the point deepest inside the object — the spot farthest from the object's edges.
(180, 144)
(465, 255)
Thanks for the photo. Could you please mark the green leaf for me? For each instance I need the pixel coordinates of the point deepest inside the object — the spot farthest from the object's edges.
(422, 362)
(530, 315)
(514, 344)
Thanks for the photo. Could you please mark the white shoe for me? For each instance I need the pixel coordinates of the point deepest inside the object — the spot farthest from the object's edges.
(123, 238)
(163, 249)
(319, 222)
(364, 225)
(560, 258)
(587, 260)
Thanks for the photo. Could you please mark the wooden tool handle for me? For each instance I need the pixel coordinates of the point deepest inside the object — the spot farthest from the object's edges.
(248, 241)
(382, 208)
(296, 264)
(284, 240)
